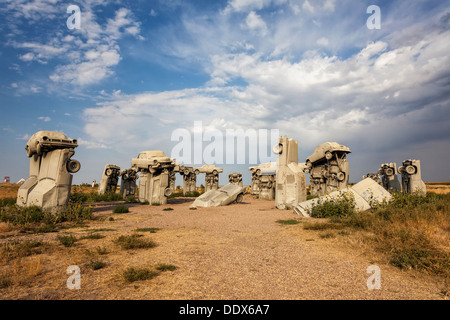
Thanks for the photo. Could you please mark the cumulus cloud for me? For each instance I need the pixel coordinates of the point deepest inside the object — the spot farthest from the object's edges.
(85, 57)
(381, 96)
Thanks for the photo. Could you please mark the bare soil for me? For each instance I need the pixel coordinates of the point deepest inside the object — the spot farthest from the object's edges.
(234, 252)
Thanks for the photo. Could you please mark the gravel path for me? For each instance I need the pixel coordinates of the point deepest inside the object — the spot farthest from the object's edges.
(233, 252)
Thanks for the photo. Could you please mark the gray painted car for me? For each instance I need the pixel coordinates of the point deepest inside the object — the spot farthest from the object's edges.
(221, 197)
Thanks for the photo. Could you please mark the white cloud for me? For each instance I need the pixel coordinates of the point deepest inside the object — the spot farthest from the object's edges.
(45, 119)
(122, 21)
(323, 41)
(83, 57)
(91, 144)
(315, 99)
(255, 23)
(27, 57)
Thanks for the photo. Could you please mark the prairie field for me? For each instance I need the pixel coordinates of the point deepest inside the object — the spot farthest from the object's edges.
(127, 250)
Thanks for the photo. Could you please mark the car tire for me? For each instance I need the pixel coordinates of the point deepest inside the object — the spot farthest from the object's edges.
(239, 198)
(168, 192)
(410, 170)
(73, 166)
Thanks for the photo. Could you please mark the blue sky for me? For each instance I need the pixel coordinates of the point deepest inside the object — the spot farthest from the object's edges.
(138, 70)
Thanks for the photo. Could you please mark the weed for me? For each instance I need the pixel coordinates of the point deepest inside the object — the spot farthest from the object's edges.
(151, 230)
(93, 236)
(320, 226)
(5, 281)
(7, 202)
(18, 249)
(167, 209)
(95, 197)
(409, 230)
(136, 274)
(327, 235)
(134, 242)
(166, 267)
(288, 222)
(95, 264)
(102, 251)
(67, 241)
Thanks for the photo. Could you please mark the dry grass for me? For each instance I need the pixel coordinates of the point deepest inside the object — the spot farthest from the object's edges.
(234, 252)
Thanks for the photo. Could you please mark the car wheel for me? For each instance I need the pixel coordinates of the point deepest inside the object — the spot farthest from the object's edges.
(197, 171)
(73, 166)
(410, 170)
(239, 198)
(168, 192)
(277, 149)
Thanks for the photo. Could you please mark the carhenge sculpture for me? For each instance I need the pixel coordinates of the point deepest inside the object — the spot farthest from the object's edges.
(110, 179)
(50, 180)
(211, 176)
(154, 182)
(268, 168)
(412, 177)
(128, 183)
(328, 168)
(365, 194)
(264, 180)
(235, 178)
(389, 179)
(189, 180)
(290, 178)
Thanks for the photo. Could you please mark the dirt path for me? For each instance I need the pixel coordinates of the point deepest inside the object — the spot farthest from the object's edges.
(233, 252)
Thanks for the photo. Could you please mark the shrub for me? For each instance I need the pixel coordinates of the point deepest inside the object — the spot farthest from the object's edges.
(7, 202)
(121, 209)
(342, 206)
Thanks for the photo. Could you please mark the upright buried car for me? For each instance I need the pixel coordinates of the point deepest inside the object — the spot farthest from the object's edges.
(221, 197)
(50, 180)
